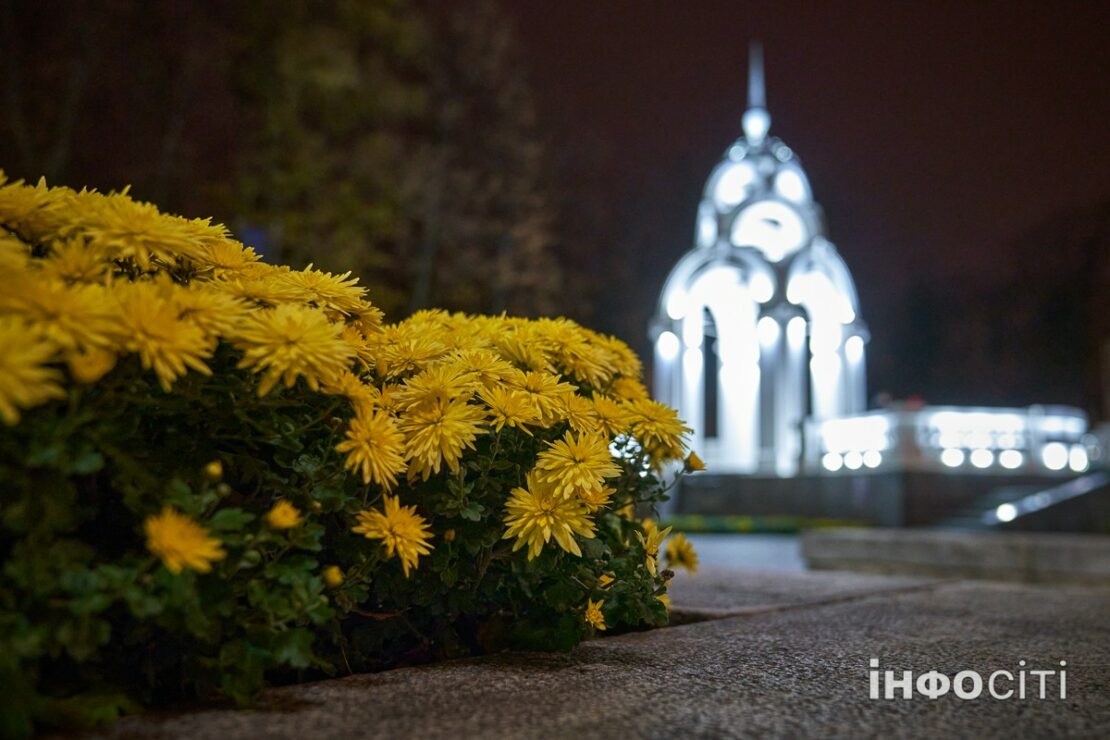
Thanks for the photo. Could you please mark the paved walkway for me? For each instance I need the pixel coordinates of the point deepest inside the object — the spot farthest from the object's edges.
(750, 551)
(773, 655)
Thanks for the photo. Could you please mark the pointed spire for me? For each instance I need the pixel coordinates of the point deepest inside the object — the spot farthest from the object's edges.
(756, 121)
(757, 96)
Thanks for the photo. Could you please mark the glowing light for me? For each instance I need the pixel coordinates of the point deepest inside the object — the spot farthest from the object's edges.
(770, 226)
(825, 337)
(789, 184)
(1077, 459)
(832, 461)
(692, 362)
(953, 457)
(1006, 513)
(1054, 456)
(872, 458)
(707, 226)
(796, 331)
(1010, 459)
(761, 288)
(668, 345)
(853, 460)
(756, 123)
(768, 331)
(982, 458)
(676, 304)
(859, 433)
(853, 349)
(734, 184)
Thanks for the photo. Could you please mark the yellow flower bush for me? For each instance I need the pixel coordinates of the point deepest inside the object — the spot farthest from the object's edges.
(219, 471)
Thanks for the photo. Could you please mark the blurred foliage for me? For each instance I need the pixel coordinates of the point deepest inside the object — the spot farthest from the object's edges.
(395, 139)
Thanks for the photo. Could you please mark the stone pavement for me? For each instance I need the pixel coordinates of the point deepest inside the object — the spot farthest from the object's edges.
(773, 655)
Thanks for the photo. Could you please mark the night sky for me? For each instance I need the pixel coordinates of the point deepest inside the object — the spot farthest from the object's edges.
(934, 133)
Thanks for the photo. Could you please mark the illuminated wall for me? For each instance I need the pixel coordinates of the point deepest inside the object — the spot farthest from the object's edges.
(757, 327)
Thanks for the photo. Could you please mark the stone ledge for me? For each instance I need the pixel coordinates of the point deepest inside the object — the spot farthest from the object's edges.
(1009, 556)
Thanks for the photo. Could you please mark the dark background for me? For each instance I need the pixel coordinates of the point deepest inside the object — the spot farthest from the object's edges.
(959, 150)
(548, 157)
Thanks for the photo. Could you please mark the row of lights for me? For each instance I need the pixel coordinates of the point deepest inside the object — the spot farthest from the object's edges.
(1056, 456)
(854, 460)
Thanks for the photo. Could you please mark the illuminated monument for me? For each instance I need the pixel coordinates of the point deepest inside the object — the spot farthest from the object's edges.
(759, 344)
(758, 326)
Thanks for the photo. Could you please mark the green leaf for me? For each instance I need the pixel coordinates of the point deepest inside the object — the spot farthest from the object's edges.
(294, 648)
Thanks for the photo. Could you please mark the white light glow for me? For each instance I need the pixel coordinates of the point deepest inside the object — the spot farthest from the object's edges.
(1006, 513)
(832, 461)
(692, 362)
(734, 184)
(853, 349)
(770, 226)
(707, 226)
(796, 331)
(789, 184)
(858, 434)
(1010, 459)
(756, 123)
(872, 458)
(668, 345)
(761, 287)
(1077, 459)
(982, 458)
(1054, 456)
(853, 461)
(825, 337)
(676, 304)
(768, 331)
(953, 457)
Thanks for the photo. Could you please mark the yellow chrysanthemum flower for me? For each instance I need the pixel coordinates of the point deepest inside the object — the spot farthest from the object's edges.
(612, 419)
(132, 229)
(71, 316)
(181, 543)
(36, 212)
(163, 341)
(340, 294)
(438, 434)
(290, 342)
(577, 465)
(375, 448)
(593, 614)
(694, 463)
(579, 413)
(665, 600)
(537, 514)
(214, 470)
(349, 385)
(658, 428)
(74, 261)
(403, 531)
(680, 553)
(15, 255)
(509, 408)
(486, 367)
(629, 389)
(89, 366)
(283, 515)
(213, 311)
(651, 543)
(436, 385)
(227, 255)
(26, 380)
(333, 576)
(398, 355)
(547, 394)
